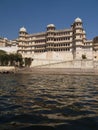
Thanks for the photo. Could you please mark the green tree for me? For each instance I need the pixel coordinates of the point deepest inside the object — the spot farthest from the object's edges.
(2, 52)
(18, 59)
(3, 58)
(28, 62)
(10, 59)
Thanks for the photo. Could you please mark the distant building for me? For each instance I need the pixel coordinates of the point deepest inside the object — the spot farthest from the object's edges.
(4, 42)
(10, 46)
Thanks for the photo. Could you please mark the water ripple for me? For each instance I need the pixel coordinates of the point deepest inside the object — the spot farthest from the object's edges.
(56, 101)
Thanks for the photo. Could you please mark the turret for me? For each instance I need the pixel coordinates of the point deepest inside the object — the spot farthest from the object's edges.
(78, 32)
(77, 38)
(50, 27)
(50, 36)
(22, 32)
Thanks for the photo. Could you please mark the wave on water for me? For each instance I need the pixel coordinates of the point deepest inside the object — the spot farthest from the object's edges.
(58, 102)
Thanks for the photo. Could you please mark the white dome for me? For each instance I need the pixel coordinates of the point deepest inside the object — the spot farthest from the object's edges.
(50, 25)
(23, 29)
(5, 38)
(78, 20)
(84, 32)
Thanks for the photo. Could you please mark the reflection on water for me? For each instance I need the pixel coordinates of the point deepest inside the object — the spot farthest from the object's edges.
(48, 102)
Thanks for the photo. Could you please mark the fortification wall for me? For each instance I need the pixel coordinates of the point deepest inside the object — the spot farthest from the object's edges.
(89, 64)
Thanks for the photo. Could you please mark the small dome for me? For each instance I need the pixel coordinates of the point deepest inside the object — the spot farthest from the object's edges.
(5, 38)
(78, 20)
(50, 25)
(23, 29)
(84, 32)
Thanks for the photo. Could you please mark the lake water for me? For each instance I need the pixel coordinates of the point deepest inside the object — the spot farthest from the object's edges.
(50, 102)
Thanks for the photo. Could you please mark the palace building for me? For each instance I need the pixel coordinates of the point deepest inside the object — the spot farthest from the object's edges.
(59, 48)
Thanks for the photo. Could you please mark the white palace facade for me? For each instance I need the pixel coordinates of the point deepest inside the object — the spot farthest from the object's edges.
(67, 48)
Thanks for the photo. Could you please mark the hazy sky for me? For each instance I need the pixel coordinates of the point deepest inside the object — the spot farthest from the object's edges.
(35, 15)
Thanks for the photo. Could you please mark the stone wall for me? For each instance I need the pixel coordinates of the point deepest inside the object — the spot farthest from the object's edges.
(5, 69)
(84, 64)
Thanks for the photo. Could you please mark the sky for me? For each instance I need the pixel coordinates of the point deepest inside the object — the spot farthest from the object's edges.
(35, 15)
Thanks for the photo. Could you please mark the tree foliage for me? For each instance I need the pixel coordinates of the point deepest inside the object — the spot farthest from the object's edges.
(28, 62)
(13, 60)
(10, 59)
(2, 52)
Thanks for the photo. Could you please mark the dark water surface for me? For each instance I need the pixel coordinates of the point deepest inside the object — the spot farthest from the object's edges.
(60, 102)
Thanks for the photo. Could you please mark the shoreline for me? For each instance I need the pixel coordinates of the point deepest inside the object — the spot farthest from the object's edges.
(48, 71)
(56, 71)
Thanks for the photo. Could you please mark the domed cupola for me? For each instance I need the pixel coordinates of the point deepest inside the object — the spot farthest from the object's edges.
(22, 32)
(22, 29)
(77, 24)
(78, 20)
(50, 27)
